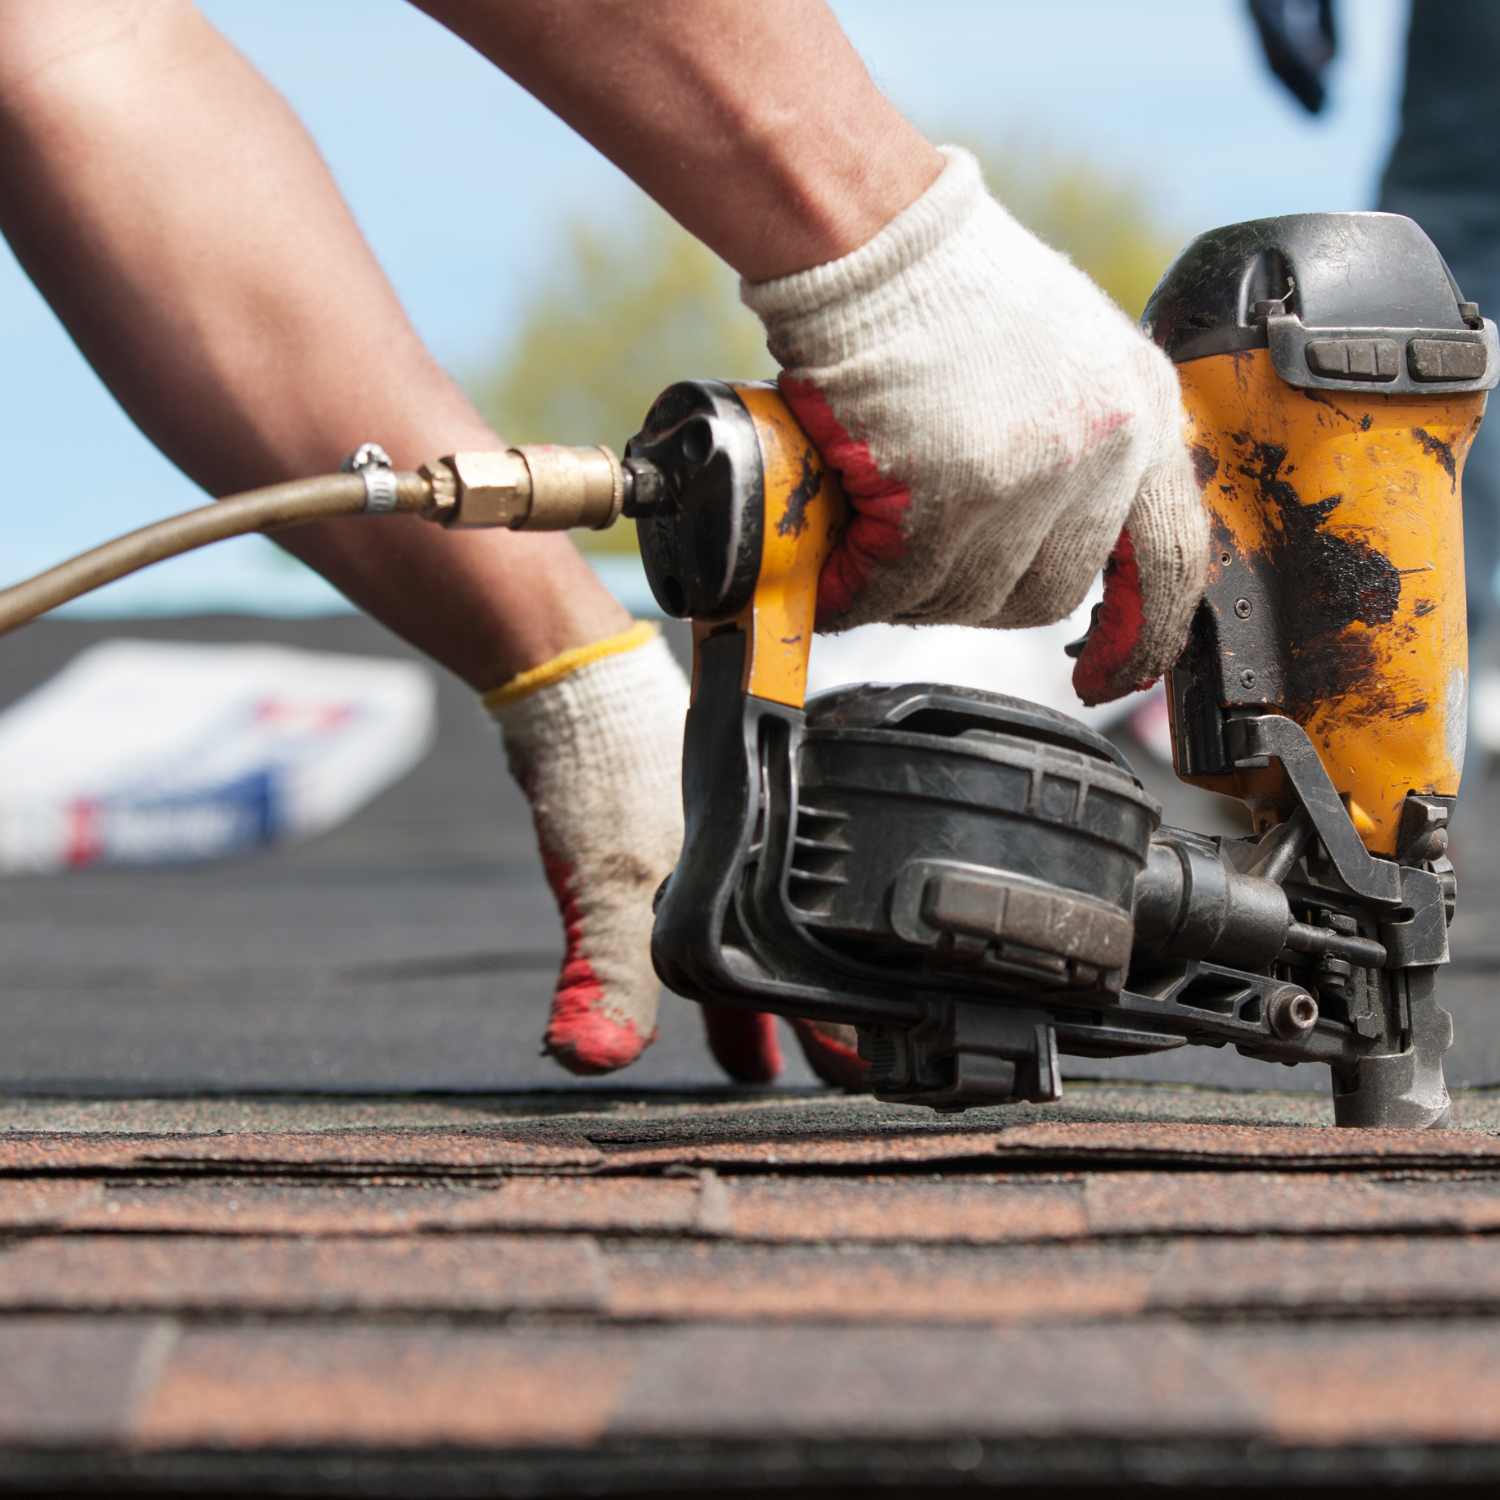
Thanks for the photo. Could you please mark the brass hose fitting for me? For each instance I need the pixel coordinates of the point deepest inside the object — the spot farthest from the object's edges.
(538, 487)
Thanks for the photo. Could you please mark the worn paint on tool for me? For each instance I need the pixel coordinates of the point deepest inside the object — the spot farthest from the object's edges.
(793, 517)
(804, 512)
(1344, 509)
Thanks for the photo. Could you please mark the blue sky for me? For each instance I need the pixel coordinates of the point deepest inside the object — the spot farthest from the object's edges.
(1170, 94)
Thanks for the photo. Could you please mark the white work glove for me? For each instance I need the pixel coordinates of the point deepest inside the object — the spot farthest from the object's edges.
(1001, 429)
(594, 739)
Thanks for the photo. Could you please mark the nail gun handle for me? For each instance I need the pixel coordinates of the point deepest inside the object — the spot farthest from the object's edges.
(802, 516)
(743, 516)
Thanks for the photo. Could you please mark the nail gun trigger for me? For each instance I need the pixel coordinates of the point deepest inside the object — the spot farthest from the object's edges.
(1074, 649)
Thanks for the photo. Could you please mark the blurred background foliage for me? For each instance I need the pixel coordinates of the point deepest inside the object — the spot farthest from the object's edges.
(632, 309)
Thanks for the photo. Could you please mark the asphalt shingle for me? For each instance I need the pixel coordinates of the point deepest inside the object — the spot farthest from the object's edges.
(853, 1290)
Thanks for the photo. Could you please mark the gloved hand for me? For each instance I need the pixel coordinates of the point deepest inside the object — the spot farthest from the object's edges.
(594, 739)
(1000, 428)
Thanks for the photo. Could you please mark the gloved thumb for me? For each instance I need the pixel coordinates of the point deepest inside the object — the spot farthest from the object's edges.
(1152, 584)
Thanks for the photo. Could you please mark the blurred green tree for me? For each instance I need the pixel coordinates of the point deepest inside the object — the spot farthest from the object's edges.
(632, 310)
(1105, 224)
(628, 313)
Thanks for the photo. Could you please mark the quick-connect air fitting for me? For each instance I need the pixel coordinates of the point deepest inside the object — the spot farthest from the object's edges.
(539, 487)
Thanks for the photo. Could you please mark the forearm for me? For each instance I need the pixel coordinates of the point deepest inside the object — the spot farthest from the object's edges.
(755, 125)
(172, 210)
(177, 217)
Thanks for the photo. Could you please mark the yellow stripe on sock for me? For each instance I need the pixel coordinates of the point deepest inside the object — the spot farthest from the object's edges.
(566, 663)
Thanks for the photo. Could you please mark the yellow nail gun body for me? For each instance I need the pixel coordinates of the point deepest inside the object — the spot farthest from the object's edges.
(1337, 579)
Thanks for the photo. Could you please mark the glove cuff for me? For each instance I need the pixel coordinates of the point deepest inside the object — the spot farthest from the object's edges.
(943, 211)
(625, 692)
(565, 664)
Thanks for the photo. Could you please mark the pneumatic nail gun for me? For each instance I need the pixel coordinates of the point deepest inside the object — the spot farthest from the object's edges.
(978, 883)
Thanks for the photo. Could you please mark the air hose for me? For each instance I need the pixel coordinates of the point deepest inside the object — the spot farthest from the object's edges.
(267, 509)
(540, 488)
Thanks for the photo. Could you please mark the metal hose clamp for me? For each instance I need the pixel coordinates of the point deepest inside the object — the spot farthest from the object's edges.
(373, 464)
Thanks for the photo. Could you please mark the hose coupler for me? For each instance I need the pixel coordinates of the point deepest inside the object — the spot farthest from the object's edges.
(539, 487)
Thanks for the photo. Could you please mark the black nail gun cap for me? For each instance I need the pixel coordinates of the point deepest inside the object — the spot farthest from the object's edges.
(939, 708)
(1360, 301)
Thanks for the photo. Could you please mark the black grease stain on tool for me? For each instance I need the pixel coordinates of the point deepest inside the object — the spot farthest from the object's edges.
(1321, 584)
(1439, 450)
(1205, 465)
(794, 517)
(1345, 668)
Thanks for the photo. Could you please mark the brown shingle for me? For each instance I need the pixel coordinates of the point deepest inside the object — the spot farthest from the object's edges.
(1373, 1275)
(931, 1382)
(739, 1284)
(75, 1380)
(1101, 1143)
(959, 1209)
(441, 1150)
(744, 1143)
(33, 1205)
(1060, 1283)
(1284, 1203)
(246, 1206)
(881, 1146)
(386, 1387)
(439, 1273)
(851, 1275)
(1415, 1383)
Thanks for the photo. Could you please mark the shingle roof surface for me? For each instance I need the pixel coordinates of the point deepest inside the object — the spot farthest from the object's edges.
(1138, 1285)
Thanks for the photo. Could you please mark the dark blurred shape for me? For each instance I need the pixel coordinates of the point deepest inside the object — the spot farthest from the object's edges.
(1441, 173)
(1441, 167)
(1299, 40)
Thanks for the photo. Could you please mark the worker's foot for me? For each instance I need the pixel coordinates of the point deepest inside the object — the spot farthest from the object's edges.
(594, 738)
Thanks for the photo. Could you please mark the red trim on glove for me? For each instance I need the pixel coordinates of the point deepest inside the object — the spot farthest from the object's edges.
(581, 1034)
(743, 1043)
(1115, 631)
(875, 531)
(834, 1061)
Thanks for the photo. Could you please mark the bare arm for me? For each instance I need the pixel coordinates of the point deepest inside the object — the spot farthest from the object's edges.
(170, 207)
(753, 122)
